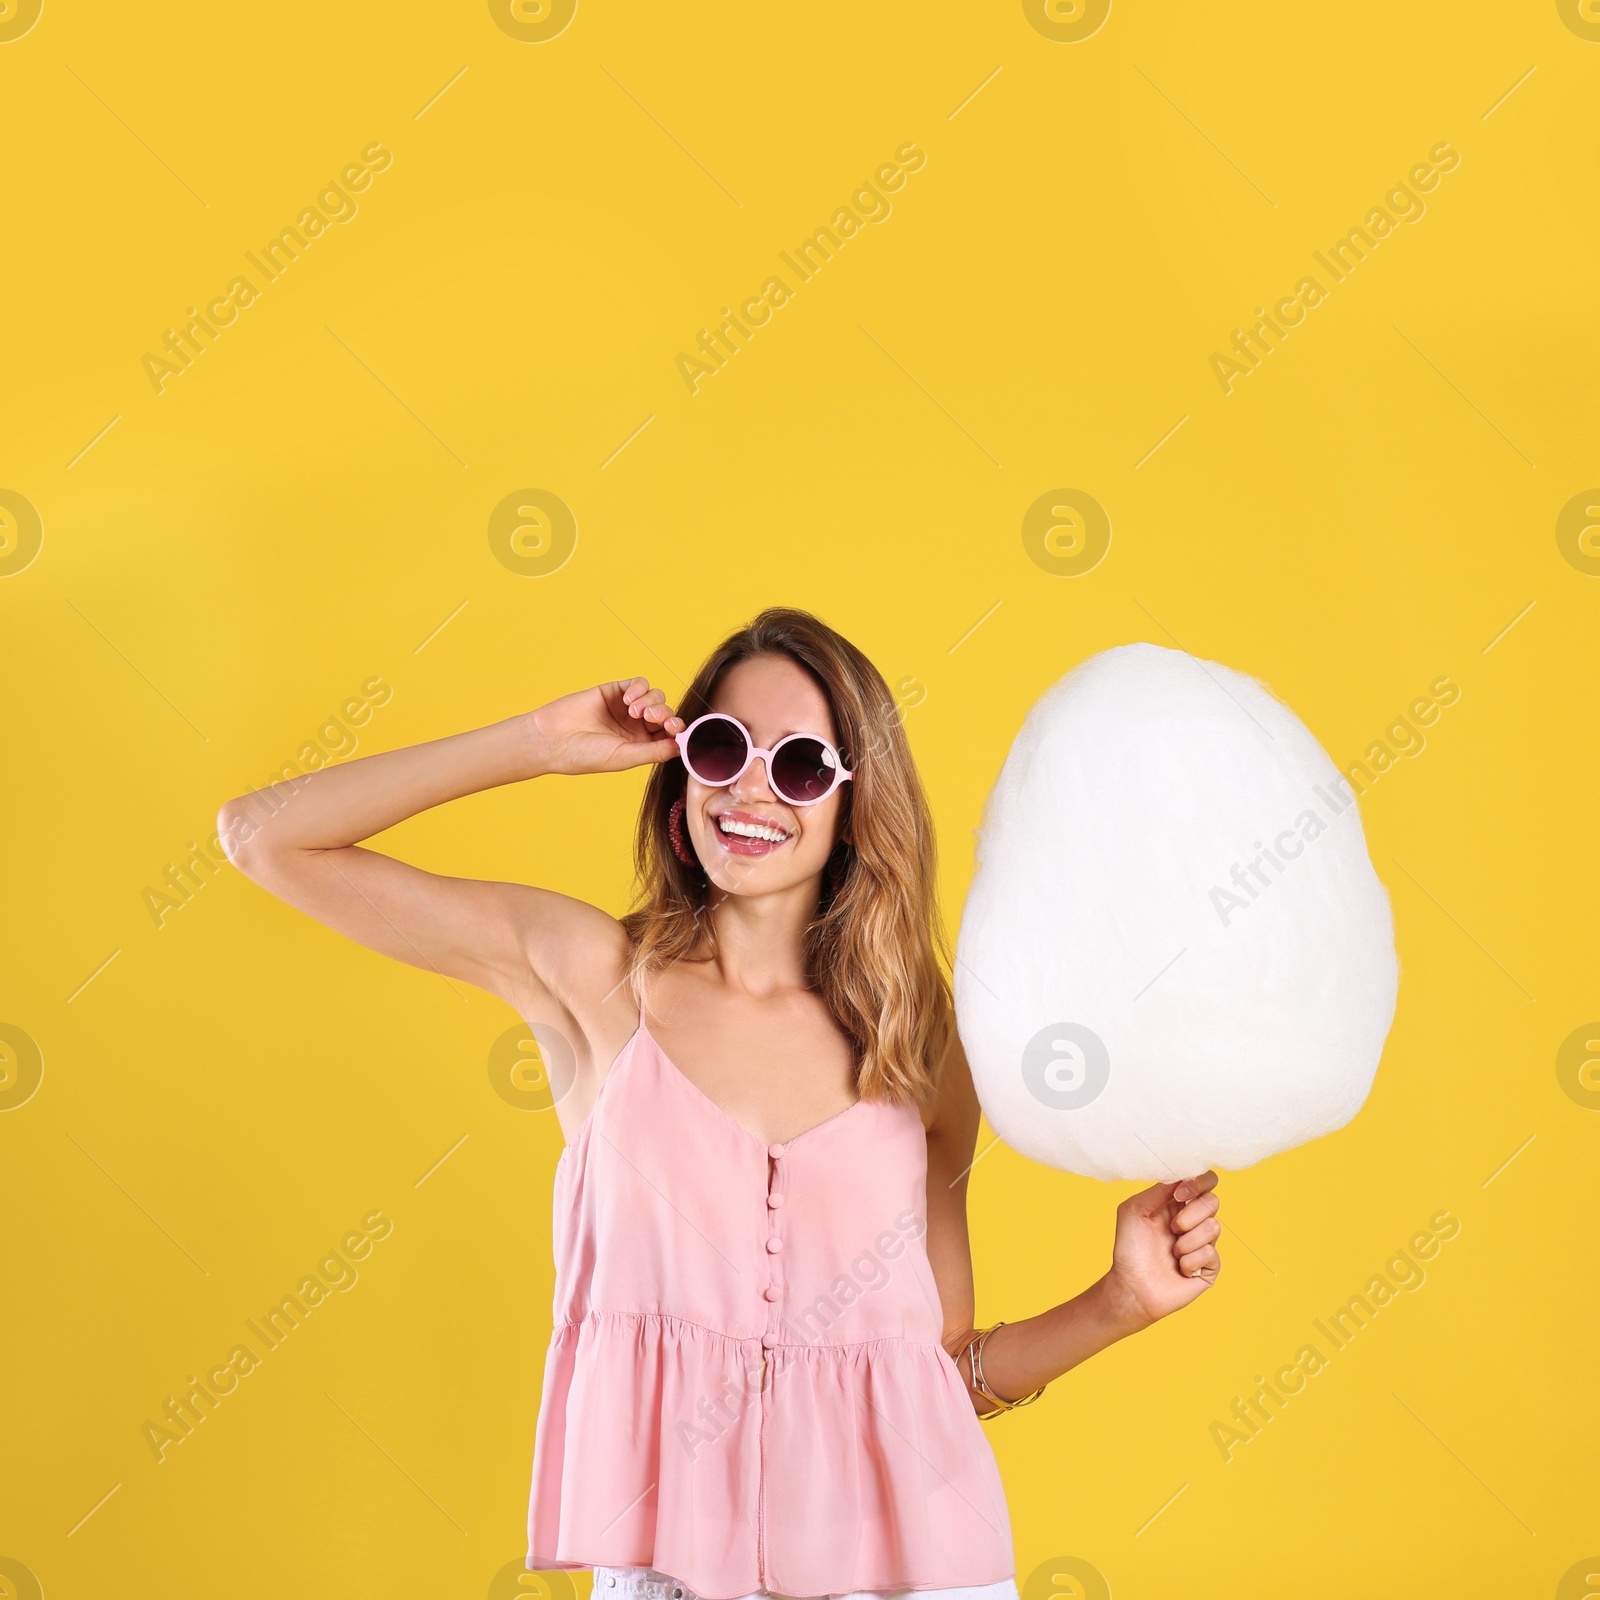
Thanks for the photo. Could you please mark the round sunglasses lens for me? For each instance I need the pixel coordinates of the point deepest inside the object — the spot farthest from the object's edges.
(717, 750)
(803, 770)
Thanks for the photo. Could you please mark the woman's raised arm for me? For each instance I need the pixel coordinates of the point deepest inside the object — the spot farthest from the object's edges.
(536, 949)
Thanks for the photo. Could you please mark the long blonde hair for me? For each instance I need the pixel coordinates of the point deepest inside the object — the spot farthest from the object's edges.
(876, 949)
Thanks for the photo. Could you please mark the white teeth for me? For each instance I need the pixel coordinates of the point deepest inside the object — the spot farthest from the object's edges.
(750, 830)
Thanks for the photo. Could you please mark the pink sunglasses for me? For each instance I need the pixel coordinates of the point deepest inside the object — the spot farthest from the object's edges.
(717, 749)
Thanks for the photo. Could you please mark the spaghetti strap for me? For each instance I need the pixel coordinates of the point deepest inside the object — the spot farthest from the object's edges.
(641, 999)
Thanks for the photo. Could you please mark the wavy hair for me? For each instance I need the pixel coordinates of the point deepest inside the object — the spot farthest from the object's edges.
(876, 949)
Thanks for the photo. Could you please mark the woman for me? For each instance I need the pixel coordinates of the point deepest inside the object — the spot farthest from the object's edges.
(765, 1374)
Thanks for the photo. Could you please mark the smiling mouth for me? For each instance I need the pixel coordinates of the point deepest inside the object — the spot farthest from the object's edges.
(746, 835)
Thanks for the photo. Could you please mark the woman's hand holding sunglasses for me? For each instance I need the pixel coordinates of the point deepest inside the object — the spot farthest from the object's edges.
(609, 728)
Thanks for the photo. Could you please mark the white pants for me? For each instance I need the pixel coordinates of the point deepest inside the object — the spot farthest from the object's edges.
(644, 1583)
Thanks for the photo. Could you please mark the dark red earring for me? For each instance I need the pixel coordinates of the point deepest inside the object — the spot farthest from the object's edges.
(680, 847)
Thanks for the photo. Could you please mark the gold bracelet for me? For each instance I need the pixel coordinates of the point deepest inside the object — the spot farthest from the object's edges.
(973, 1351)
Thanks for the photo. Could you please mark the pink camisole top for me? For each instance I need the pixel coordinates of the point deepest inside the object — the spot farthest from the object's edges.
(745, 1386)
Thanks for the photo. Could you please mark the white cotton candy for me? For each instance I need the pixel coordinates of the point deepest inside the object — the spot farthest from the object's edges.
(1175, 954)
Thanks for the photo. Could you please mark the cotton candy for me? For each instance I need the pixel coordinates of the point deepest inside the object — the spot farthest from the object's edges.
(1175, 953)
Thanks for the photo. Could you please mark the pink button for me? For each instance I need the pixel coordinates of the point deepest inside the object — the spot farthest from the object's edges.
(768, 1340)
(772, 1292)
(774, 1199)
(774, 1150)
(774, 1246)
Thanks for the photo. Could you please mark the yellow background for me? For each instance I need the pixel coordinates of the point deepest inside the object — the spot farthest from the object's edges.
(306, 506)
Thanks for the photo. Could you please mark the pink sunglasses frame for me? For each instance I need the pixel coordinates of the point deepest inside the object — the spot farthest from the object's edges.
(841, 774)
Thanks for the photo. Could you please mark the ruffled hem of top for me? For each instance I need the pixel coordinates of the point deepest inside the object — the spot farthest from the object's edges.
(661, 1444)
